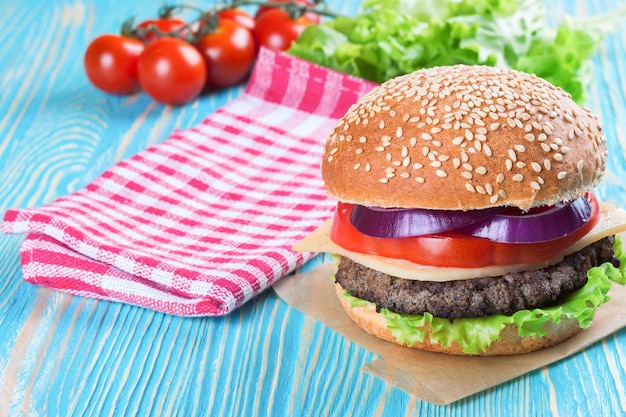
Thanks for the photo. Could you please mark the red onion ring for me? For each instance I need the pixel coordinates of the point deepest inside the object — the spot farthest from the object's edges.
(536, 226)
(396, 222)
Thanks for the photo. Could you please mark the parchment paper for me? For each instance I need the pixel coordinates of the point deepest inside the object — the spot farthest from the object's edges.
(434, 377)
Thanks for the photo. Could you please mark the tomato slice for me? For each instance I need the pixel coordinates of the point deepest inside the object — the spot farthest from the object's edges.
(452, 249)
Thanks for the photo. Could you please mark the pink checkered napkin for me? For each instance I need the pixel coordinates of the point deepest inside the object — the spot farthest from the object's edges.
(201, 223)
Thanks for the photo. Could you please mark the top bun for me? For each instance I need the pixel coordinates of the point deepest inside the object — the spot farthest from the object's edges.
(464, 137)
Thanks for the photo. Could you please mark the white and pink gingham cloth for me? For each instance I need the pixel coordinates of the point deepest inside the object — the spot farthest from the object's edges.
(203, 222)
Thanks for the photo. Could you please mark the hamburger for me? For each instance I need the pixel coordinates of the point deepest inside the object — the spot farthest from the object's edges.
(466, 219)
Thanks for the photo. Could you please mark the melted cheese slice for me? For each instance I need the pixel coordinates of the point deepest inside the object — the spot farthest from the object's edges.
(612, 221)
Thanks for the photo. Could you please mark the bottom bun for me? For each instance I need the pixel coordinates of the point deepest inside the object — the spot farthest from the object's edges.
(510, 343)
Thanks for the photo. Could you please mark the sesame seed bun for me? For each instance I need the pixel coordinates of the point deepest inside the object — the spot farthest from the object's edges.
(510, 342)
(464, 137)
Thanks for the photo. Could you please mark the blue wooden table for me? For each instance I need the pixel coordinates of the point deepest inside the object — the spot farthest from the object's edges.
(71, 356)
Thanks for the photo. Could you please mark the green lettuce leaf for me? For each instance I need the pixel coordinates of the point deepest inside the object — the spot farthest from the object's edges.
(475, 334)
(395, 37)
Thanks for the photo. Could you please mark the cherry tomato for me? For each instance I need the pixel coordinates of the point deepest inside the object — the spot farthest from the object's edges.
(453, 249)
(239, 16)
(111, 63)
(166, 24)
(171, 71)
(228, 53)
(275, 29)
(311, 16)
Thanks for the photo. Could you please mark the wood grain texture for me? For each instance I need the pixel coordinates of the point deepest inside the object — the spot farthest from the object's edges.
(71, 356)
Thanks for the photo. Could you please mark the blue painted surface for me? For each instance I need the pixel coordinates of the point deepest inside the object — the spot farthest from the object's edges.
(70, 356)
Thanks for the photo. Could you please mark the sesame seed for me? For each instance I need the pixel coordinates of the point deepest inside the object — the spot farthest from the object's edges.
(500, 178)
(441, 173)
(529, 137)
(518, 178)
(520, 148)
(330, 158)
(577, 131)
(467, 175)
(512, 155)
(494, 199)
(509, 164)
(380, 148)
(384, 180)
(561, 175)
(494, 126)
(481, 170)
(368, 167)
(420, 180)
(469, 187)
(535, 166)
(435, 164)
(356, 166)
(362, 139)
(399, 132)
(334, 151)
(413, 141)
(535, 185)
(579, 165)
(417, 165)
(381, 125)
(426, 136)
(558, 157)
(547, 164)
(359, 151)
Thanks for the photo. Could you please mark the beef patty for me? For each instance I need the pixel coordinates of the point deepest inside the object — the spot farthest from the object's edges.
(477, 297)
